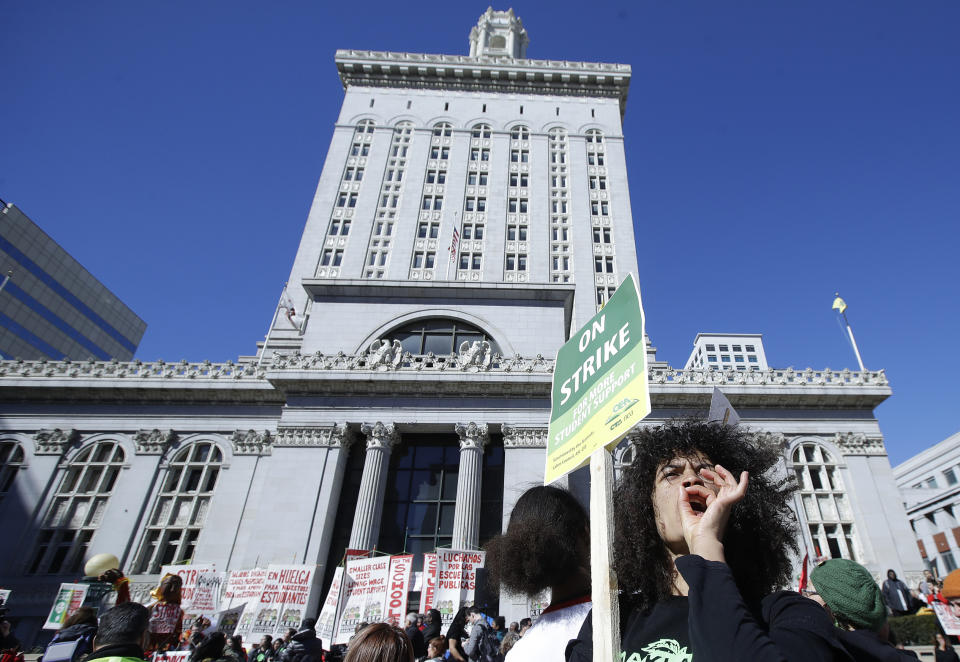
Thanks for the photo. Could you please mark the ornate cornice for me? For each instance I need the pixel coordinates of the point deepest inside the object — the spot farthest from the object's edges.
(501, 74)
(251, 442)
(524, 437)
(857, 443)
(54, 442)
(472, 435)
(332, 436)
(380, 435)
(153, 442)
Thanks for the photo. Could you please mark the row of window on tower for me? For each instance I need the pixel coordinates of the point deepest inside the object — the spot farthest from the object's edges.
(468, 244)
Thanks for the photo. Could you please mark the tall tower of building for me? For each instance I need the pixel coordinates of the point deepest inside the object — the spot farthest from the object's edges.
(488, 184)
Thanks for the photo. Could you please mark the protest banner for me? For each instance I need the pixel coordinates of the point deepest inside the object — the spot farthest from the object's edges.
(948, 618)
(398, 585)
(599, 384)
(198, 596)
(172, 656)
(352, 554)
(456, 581)
(225, 621)
(427, 593)
(283, 602)
(243, 586)
(69, 599)
(599, 393)
(365, 595)
(330, 612)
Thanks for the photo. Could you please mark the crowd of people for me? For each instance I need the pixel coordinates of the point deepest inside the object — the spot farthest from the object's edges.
(704, 535)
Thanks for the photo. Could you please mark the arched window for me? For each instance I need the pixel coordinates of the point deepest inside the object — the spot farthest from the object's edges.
(181, 508)
(442, 129)
(594, 136)
(825, 502)
(480, 131)
(11, 459)
(365, 126)
(438, 335)
(77, 509)
(520, 133)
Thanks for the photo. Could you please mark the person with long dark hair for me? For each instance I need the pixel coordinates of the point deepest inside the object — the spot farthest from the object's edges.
(943, 651)
(546, 546)
(703, 531)
(380, 642)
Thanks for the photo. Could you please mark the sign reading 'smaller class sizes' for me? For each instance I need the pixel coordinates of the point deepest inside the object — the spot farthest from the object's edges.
(599, 384)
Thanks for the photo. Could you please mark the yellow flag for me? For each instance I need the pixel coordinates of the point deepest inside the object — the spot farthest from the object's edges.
(839, 304)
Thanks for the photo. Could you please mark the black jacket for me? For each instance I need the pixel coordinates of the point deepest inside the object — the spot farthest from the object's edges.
(83, 633)
(303, 647)
(432, 629)
(416, 638)
(714, 624)
(867, 646)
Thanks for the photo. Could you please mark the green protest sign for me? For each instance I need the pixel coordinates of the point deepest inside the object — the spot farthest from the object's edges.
(599, 384)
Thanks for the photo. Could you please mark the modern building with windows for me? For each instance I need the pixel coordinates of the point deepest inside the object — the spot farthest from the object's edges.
(721, 351)
(53, 308)
(472, 212)
(929, 483)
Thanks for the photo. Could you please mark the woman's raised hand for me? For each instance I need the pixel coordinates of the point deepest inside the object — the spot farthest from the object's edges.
(705, 510)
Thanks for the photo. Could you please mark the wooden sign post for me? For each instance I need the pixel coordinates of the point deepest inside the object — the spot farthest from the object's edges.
(599, 393)
(603, 578)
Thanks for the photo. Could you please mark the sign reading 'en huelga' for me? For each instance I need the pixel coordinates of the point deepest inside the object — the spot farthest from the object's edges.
(599, 384)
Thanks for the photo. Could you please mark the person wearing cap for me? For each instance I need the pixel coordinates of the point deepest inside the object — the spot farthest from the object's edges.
(851, 596)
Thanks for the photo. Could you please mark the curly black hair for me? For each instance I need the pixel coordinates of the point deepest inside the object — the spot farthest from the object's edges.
(761, 531)
(547, 541)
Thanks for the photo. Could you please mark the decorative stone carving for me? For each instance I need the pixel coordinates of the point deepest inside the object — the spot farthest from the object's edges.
(524, 437)
(857, 443)
(476, 354)
(380, 435)
(251, 442)
(54, 442)
(384, 354)
(153, 442)
(472, 435)
(333, 436)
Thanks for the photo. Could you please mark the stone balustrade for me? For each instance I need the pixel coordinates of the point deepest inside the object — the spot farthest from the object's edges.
(429, 363)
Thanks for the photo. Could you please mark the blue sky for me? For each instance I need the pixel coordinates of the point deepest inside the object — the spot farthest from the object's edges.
(777, 152)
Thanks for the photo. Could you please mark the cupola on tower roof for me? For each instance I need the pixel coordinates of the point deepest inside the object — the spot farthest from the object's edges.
(499, 34)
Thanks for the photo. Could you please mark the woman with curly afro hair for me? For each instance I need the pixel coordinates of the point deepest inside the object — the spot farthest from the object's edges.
(703, 536)
(546, 546)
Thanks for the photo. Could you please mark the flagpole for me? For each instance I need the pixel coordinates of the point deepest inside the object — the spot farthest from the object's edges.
(853, 341)
(273, 322)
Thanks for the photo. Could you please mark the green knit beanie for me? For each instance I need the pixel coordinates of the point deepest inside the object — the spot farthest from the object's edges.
(850, 592)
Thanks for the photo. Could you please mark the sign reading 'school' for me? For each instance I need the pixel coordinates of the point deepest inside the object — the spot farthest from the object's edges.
(599, 384)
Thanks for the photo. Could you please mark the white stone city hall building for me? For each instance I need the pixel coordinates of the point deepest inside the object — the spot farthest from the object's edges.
(405, 404)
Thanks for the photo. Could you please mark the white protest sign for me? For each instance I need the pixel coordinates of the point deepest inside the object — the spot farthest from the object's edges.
(243, 586)
(365, 589)
(286, 592)
(208, 586)
(327, 622)
(398, 585)
(69, 599)
(947, 616)
(456, 581)
(428, 592)
(225, 621)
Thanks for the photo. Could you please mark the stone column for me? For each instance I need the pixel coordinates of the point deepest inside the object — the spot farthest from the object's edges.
(366, 520)
(466, 520)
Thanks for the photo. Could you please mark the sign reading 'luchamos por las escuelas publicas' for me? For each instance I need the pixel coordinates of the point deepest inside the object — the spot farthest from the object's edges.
(599, 384)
